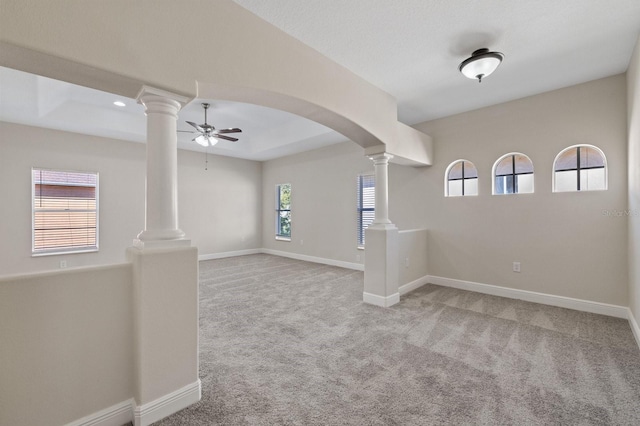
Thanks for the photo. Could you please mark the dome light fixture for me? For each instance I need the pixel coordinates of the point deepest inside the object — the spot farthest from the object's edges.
(481, 64)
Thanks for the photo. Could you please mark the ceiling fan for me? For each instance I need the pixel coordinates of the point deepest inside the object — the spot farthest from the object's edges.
(209, 135)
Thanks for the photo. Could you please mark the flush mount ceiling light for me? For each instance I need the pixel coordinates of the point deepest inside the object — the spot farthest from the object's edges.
(481, 64)
(119, 103)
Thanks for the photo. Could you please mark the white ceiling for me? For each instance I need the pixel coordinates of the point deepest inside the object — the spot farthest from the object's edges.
(409, 48)
(412, 48)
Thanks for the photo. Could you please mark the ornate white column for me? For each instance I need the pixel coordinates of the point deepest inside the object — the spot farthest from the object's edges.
(165, 282)
(381, 251)
(381, 169)
(161, 206)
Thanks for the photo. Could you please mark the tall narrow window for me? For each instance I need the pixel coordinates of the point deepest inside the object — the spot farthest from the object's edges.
(580, 168)
(461, 179)
(366, 204)
(283, 212)
(513, 174)
(65, 212)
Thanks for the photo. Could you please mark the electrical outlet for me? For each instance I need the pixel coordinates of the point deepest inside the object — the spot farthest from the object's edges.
(301, 242)
(63, 264)
(516, 266)
(406, 262)
(357, 258)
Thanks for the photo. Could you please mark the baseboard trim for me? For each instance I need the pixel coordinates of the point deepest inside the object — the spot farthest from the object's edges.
(634, 326)
(116, 415)
(532, 296)
(162, 407)
(406, 288)
(332, 262)
(384, 302)
(224, 254)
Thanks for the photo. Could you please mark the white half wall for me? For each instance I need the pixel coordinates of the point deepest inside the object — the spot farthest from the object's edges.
(66, 345)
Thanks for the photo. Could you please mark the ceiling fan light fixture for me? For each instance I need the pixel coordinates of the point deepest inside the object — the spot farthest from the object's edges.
(202, 140)
(481, 64)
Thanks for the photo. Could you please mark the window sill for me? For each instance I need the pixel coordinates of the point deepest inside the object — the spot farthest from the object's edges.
(360, 247)
(55, 253)
(283, 238)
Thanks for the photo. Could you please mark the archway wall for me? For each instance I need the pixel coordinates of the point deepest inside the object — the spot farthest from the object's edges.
(189, 48)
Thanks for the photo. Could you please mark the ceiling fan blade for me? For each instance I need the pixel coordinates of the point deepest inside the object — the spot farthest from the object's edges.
(185, 131)
(233, 130)
(226, 138)
(200, 129)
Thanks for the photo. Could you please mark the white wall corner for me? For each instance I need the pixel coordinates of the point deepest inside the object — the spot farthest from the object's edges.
(115, 415)
(172, 403)
(406, 288)
(531, 296)
(634, 326)
(384, 302)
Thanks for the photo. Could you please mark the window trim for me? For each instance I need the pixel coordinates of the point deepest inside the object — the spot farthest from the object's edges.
(63, 250)
(281, 237)
(447, 180)
(513, 174)
(578, 168)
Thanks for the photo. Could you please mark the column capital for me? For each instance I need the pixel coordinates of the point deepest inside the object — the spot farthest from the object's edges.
(381, 158)
(149, 94)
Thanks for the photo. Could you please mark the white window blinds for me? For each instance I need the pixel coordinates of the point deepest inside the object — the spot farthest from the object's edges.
(65, 213)
(366, 204)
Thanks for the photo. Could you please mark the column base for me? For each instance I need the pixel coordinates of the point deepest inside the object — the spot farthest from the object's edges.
(161, 238)
(384, 302)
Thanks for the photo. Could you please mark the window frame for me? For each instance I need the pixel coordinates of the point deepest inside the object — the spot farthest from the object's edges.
(278, 194)
(67, 249)
(447, 180)
(360, 209)
(513, 174)
(578, 168)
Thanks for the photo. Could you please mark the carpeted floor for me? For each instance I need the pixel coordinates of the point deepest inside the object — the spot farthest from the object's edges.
(289, 342)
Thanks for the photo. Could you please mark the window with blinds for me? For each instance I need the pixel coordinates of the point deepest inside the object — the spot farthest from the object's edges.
(65, 211)
(366, 204)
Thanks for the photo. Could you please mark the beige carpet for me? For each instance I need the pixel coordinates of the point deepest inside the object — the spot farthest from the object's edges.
(286, 342)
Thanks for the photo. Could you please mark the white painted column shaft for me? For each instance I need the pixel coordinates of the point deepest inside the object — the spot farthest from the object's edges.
(381, 169)
(161, 207)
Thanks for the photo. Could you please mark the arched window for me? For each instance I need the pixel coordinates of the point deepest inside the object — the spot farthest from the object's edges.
(461, 179)
(513, 174)
(580, 168)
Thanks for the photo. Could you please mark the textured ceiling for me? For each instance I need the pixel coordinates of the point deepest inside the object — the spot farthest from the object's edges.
(412, 48)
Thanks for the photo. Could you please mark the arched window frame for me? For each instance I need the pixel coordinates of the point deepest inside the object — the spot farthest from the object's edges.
(606, 168)
(499, 160)
(446, 178)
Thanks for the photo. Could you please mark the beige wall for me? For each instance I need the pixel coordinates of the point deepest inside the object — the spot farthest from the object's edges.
(66, 344)
(219, 208)
(323, 201)
(633, 102)
(565, 244)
